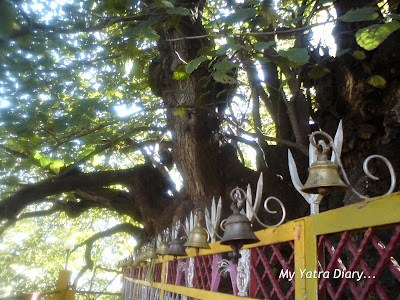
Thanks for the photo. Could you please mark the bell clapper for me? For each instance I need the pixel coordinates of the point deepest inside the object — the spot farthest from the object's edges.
(235, 254)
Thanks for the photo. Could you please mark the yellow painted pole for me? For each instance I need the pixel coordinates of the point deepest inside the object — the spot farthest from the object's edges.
(162, 279)
(311, 255)
(299, 259)
(306, 260)
(63, 291)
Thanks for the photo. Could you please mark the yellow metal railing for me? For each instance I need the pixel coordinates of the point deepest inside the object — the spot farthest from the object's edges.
(304, 233)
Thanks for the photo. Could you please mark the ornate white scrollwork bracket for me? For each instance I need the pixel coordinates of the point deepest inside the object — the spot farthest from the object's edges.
(336, 146)
(243, 273)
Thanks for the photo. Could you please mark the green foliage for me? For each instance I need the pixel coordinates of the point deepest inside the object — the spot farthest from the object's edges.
(178, 11)
(240, 15)
(7, 18)
(318, 71)
(360, 55)
(297, 55)
(195, 63)
(223, 69)
(263, 45)
(33, 253)
(361, 14)
(372, 36)
(224, 48)
(76, 92)
(180, 112)
(377, 81)
(180, 73)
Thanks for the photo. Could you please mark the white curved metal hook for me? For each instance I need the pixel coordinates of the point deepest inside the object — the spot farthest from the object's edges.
(238, 192)
(368, 173)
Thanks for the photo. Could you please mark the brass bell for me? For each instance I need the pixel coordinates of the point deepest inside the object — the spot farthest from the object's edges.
(323, 176)
(238, 232)
(151, 252)
(176, 248)
(198, 236)
(162, 248)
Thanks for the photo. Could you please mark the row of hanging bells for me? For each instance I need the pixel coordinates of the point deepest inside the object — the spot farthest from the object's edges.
(323, 179)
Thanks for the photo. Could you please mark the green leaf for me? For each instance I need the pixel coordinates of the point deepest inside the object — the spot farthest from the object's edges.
(167, 3)
(377, 81)
(182, 11)
(119, 94)
(164, 3)
(361, 14)
(292, 21)
(298, 55)
(194, 64)
(224, 65)
(318, 71)
(394, 16)
(180, 112)
(372, 36)
(56, 165)
(222, 77)
(7, 17)
(240, 16)
(37, 155)
(224, 48)
(180, 73)
(343, 52)
(263, 45)
(359, 55)
(45, 161)
(262, 60)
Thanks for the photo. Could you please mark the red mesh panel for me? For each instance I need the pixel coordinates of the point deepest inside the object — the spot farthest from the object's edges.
(143, 273)
(267, 262)
(202, 272)
(133, 273)
(373, 251)
(171, 275)
(157, 275)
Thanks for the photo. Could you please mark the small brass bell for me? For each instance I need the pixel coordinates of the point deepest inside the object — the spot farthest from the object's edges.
(238, 232)
(176, 248)
(323, 176)
(139, 257)
(198, 236)
(162, 248)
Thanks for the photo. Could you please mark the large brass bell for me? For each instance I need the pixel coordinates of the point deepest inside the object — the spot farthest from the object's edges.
(323, 177)
(198, 236)
(237, 232)
(176, 248)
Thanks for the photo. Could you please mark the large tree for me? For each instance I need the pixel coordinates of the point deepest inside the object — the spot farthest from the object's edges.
(106, 103)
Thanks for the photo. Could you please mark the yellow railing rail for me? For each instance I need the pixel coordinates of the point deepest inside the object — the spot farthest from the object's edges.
(304, 233)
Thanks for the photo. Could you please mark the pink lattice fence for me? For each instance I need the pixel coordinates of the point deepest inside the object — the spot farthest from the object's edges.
(348, 253)
(361, 264)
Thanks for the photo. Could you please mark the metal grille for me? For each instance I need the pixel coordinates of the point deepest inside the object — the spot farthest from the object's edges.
(360, 264)
(174, 296)
(157, 275)
(268, 263)
(155, 294)
(203, 272)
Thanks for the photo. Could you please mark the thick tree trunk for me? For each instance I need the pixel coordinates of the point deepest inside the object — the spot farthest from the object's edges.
(370, 114)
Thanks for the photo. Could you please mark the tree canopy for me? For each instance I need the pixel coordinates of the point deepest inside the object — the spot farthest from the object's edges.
(125, 115)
